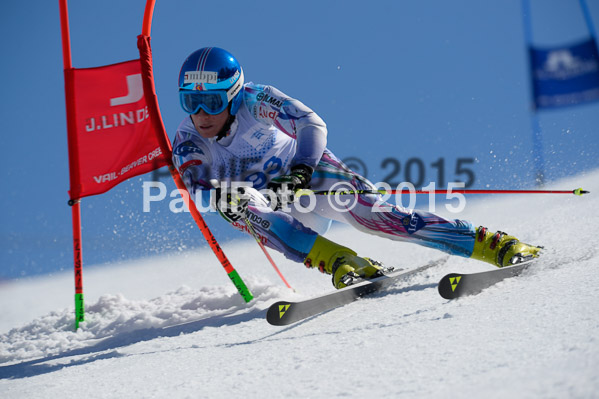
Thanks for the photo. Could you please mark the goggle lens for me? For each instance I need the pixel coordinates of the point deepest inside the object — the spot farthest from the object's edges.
(213, 102)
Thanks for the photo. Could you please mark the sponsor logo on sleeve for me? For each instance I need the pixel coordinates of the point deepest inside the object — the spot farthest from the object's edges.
(186, 148)
(265, 98)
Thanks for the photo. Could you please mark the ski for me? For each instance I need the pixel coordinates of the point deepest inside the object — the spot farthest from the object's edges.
(455, 285)
(283, 312)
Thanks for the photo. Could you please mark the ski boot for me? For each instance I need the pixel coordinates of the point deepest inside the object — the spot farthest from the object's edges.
(341, 262)
(500, 249)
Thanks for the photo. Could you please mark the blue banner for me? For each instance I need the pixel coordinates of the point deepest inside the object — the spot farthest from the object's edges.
(565, 75)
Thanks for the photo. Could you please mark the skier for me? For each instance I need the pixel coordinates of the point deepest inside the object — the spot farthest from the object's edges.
(254, 133)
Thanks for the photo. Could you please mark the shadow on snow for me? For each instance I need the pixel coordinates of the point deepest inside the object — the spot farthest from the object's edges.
(107, 348)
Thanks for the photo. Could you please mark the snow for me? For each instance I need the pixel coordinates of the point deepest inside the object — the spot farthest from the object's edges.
(174, 326)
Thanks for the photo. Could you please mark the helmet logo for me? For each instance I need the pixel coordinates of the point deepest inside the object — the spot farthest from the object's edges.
(200, 77)
(233, 79)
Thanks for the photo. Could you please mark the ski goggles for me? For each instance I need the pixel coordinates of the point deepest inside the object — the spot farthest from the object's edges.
(213, 101)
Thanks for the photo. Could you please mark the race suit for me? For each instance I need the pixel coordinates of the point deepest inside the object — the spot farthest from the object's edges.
(273, 132)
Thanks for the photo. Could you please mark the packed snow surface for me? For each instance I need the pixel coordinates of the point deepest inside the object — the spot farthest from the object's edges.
(175, 326)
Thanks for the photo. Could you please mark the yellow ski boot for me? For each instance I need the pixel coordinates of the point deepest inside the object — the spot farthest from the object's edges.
(341, 262)
(500, 249)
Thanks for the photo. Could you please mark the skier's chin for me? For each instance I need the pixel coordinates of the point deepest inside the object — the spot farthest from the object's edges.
(207, 132)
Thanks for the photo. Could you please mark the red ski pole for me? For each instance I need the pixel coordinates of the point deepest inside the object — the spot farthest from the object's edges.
(578, 191)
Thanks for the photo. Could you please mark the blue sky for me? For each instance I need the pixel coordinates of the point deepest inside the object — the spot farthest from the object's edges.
(394, 80)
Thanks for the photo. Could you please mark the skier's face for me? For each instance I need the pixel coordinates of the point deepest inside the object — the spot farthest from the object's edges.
(208, 126)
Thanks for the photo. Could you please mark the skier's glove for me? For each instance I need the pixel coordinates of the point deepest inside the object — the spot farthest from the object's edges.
(232, 202)
(285, 186)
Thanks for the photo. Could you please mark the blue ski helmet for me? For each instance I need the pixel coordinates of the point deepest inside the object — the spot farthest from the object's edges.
(210, 79)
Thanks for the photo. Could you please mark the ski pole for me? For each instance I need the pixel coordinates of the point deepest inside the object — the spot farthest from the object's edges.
(578, 191)
(263, 248)
(216, 184)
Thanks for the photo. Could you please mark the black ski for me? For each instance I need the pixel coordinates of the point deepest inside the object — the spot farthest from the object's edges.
(455, 285)
(283, 312)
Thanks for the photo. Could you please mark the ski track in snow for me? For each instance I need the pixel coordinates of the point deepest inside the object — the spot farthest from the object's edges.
(175, 326)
